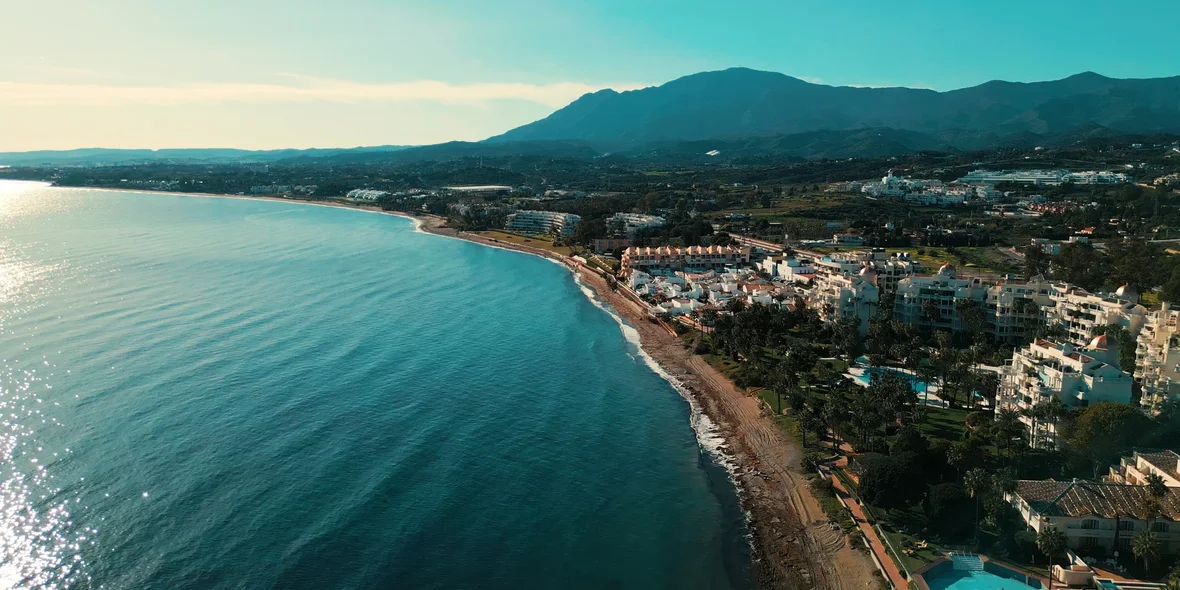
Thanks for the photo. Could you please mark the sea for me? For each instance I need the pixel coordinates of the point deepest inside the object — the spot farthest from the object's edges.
(204, 392)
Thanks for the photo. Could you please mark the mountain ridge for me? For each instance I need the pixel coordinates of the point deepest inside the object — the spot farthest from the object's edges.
(742, 102)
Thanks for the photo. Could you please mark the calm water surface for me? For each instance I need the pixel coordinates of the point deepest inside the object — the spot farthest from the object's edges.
(220, 393)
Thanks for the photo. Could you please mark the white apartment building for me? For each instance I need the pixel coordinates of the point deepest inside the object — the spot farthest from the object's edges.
(918, 295)
(364, 194)
(1095, 515)
(1077, 377)
(889, 268)
(633, 222)
(1079, 312)
(1134, 470)
(1092, 177)
(1012, 307)
(1038, 177)
(664, 260)
(1157, 359)
(542, 222)
(837, 296)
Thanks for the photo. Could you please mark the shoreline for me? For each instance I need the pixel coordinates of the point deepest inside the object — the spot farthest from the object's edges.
(792, 543)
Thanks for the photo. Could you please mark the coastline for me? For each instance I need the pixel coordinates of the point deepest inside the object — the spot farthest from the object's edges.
(792, 543)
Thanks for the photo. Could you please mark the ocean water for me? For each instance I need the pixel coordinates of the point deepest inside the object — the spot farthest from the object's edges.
(225, 393)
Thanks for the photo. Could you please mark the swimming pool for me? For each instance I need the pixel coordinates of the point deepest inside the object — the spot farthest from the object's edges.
(949, 576)
(919, 385)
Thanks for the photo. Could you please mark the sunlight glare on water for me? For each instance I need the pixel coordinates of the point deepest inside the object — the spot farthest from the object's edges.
(39, 544)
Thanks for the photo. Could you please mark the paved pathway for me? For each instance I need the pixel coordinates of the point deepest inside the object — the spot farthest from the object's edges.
(862, 522)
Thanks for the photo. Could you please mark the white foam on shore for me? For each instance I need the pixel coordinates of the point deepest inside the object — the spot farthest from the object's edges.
(708, 434)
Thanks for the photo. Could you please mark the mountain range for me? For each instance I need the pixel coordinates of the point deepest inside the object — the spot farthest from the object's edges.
(740, 112)
(743, 103)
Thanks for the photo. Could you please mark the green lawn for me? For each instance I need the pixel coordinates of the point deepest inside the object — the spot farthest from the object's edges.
(540, 243)
(786, 423)
(943, 423)
(983, 259)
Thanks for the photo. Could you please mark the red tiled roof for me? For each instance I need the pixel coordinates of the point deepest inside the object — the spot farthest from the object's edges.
(1086, 498)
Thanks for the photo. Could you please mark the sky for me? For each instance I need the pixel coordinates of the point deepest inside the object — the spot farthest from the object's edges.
(263, 74)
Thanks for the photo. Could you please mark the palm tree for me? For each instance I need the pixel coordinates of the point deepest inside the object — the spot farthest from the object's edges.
(928, 372)
(1156, 486)
(1050, 542)
(976, 482)
(1007, 427)
(1146, 546)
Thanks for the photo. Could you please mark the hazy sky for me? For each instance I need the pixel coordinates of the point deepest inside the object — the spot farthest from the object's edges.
(303, 73)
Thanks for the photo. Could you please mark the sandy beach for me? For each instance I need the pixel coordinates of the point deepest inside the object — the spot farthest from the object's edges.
(794, 546)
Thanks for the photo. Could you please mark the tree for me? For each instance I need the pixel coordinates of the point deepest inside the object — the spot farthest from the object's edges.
(1146, 547)
(1081, 265)
(945, 506)
(1007, 426)
(846, 338)
(1156, 486)
(909, 440)
(889, 482)
(1134, 262)
(810, 421)
(1036, 262)
(977, 482)
(1051, 542)
(1102, 431)
(1173, 581)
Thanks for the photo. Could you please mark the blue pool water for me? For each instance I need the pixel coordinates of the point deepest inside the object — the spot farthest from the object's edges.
(225, 393)
(865, 377)
(946, 576)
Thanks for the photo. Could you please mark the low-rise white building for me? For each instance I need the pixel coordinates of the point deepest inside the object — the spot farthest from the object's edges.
(664, 260)
(1134, 470)
(364, 194)
(630, 223)
(1096, 517)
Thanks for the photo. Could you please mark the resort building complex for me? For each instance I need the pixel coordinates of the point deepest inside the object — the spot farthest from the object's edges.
(628, 224)
(1045, 177)
(1080, 367)
(667, 260)
(542, 222)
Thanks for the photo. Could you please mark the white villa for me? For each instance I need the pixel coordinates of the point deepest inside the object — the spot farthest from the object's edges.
(1096, 515)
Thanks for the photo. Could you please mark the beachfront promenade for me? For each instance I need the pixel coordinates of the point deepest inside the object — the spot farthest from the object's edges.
(881, 555)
